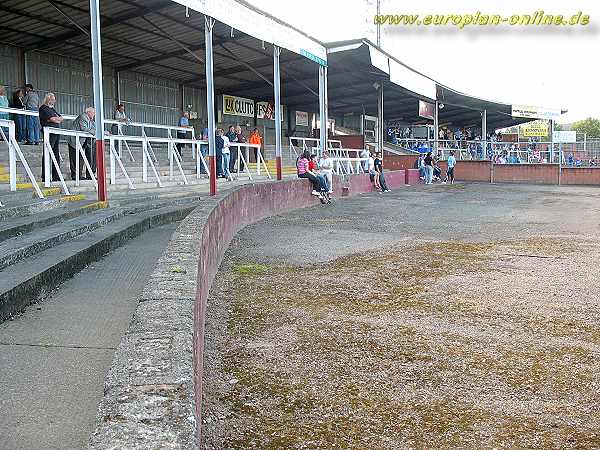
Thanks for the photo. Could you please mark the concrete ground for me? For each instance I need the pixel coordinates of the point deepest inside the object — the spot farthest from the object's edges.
(54, 357)
(433, 316)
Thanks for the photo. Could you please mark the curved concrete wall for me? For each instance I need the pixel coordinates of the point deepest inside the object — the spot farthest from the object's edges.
(153, 391)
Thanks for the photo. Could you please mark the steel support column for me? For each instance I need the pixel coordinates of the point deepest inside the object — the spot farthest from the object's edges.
(436, 126)
(323, 107)
(98, 96)
(277, 92)
(209, 23)
(380, 132)
(484, 133)
(551, 149)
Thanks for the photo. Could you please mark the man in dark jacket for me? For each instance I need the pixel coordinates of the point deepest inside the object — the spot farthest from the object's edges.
(233, 150)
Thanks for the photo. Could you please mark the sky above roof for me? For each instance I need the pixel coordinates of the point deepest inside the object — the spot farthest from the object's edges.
(536, 65)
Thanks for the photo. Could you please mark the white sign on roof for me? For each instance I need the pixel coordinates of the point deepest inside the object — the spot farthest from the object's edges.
(535, 112)
(253, 23)
(411, 80)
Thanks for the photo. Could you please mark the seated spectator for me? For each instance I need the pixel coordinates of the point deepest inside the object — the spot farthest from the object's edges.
(304, 172)
(578, 163)
(378, 163)
(326, 168)
(313, 167)
(570, 159)
(592, 162)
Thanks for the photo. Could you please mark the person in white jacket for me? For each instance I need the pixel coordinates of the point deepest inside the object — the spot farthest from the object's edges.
(326, 169)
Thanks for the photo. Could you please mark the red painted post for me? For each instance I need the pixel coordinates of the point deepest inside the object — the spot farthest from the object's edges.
(212, 164)
(278, 164)
(101, 170)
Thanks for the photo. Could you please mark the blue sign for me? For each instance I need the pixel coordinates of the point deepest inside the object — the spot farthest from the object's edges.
(312, 57)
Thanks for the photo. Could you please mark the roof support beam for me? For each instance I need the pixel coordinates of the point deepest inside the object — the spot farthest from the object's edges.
(106, 22)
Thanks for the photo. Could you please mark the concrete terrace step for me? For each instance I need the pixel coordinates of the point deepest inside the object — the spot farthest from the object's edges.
(27, 223)
(17, 248)
(26, 281)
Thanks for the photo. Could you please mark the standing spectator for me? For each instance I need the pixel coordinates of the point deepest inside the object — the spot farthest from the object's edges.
(420, 164)
(184, 121)
(84, 122)
(32, 103)
(428, 168)
(50, 118)
(233, 149)
(226, 156)
(373, 173)
(3, 102)
(204, 147)
(451, 165)
(219, 144)
(18, 102)
(378, 162)
(326, 167)
(255, 139)
(241, 139)
(120, 116)
(365, 155)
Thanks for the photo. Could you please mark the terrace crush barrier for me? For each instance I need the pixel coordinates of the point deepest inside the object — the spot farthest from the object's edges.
(151, 397)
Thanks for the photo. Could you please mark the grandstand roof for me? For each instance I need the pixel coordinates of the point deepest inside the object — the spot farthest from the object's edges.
(163, 38)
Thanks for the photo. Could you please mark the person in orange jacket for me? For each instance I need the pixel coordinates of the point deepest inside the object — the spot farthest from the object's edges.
(255, 138)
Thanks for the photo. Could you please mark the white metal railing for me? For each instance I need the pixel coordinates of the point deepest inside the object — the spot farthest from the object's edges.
(245, 158)
(347, 166)
(15, 154)
(116, 142)
(50, 159)
(300, 144)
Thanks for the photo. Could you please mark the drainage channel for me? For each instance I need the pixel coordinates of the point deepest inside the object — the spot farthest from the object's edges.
(55, 356)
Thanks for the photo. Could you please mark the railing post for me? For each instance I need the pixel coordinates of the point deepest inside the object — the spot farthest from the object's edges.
(145, 157)
(209, 23)
(47, 162)
(113, 172)
(12, 158)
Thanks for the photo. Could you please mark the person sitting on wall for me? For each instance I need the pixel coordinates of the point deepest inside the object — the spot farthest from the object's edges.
(314, 168)
(592, 162)
(302, 166)
(326, 168)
